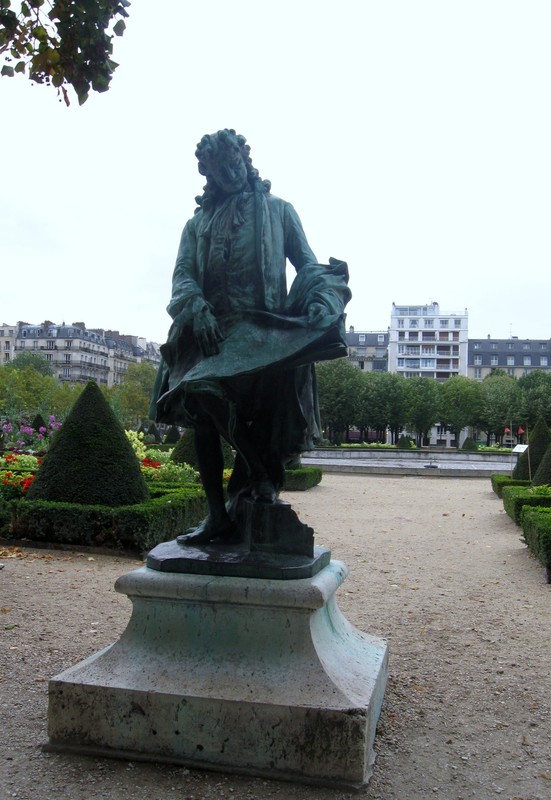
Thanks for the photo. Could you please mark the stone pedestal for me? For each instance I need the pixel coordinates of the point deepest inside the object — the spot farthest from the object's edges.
(255, 676)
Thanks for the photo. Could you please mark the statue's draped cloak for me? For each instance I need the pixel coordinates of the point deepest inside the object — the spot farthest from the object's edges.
(266, 359)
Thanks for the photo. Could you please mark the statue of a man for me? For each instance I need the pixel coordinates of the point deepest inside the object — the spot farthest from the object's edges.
(238, 361)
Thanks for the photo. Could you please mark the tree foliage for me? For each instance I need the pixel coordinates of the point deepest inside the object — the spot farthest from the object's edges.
(536, 396)
(31, 359)
(131, 399)
(460, 404)
(62, 42)
(339, 390)
(500, 399)
(423, 406)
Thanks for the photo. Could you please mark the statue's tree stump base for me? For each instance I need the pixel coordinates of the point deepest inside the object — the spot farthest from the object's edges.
(247, 675)
(271, 542)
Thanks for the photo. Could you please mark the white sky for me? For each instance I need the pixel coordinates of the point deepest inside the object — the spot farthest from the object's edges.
(413, 138)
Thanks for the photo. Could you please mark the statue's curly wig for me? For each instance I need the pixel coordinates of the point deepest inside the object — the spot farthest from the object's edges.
(214, 145)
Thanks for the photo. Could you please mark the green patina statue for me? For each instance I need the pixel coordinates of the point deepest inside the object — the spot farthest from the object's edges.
(239, 358)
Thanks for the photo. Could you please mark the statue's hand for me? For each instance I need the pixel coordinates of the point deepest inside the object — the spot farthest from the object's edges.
(316, 312)
(207, 332)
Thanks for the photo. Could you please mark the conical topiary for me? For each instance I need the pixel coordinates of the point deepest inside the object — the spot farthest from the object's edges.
(539, 440)
(542, 476)
(185, 452)
(90, 460)
(469, 444)
(172, 436)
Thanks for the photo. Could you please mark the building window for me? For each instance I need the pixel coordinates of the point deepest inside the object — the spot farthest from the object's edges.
(414, 323)
(543, 346)
(494, 345)
(511, 361)
(526, 346)
(527, 361)
(68, 343)
(493, 361)
(444, 323)
(6, 356)
(361, 364)
(361, 337)
(49, 357)
(429, 323)
(400, 363)
(401, 336)
(67, 356)
(67, 372)
(380, 337)
(543, 361)
(478, 360)
(511, 372)
(477, 372)
(428, 363)
(400, 323)
(457, 323)
(476, 345)
(51, 345)
(6, 345)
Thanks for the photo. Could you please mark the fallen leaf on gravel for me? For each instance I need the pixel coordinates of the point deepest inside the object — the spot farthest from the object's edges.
(11, 626)
(5, 610)
(545, 776)
(40, 680)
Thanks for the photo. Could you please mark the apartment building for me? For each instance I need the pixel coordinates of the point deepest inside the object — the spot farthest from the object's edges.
(425, 342)
(78, 354)
(517, 357)
(7, 343)
(368, 350)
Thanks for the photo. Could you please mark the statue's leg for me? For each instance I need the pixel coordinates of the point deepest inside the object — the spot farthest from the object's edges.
(239, 434)
(217, 525)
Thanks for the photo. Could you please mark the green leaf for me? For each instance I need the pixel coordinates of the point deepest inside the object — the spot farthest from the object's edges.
(7, 71)
(20, 66)
(57, 79)
(25, 10)
(119, 28)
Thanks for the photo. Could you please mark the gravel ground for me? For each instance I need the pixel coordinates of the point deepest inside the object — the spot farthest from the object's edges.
(436, 568)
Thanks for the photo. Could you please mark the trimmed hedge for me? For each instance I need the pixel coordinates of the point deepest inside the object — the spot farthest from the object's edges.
(299, 480)
(536, 528)
(499, 481)
(515, 497)
(137, 527)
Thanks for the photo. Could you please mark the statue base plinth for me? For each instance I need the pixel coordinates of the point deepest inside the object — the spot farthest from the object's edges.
(252, 676)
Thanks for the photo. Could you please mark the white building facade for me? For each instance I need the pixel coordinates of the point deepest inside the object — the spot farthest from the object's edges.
(427, 343)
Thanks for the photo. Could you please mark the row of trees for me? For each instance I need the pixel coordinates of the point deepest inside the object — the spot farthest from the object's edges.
(378, 401)
(349, 398)
(28, 388)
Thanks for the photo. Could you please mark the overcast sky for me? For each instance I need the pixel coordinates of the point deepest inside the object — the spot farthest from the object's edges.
(413, 138)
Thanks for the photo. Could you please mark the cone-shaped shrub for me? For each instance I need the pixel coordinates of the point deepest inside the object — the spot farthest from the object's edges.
(539, 440)
(469, 444)
(542, 476)
(185, 452)
(38, 422)
(90, 460)
(172, 435)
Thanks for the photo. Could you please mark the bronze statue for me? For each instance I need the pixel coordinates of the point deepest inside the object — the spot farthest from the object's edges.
(239, 359)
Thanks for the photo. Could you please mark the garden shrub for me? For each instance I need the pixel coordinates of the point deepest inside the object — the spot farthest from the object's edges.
(536, 529)
(469, 444)
(539, 440)
(136, 528)
(90, 460)
(299, 480)
(172, 436)
(185, 452)
(542, 476)
(515, 497)
(499, 481)
(405, 443)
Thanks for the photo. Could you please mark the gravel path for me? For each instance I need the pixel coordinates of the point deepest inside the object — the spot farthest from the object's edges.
(436, 567)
